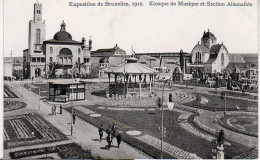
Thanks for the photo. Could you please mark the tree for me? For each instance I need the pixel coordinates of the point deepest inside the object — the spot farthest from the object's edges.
(79, 66)
(53, 69)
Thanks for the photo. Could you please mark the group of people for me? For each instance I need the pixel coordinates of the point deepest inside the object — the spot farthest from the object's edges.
(53, 110)
(111, 134)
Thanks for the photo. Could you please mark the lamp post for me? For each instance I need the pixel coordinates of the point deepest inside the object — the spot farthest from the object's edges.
(162, 117)
(39, 96)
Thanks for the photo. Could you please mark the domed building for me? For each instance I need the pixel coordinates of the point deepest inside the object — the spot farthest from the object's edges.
(67, 53)
(208, 56)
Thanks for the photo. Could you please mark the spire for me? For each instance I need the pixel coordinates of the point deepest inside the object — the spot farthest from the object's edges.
(63, 26)
(90, 43)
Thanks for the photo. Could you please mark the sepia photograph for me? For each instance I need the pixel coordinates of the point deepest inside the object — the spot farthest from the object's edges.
(126, 79)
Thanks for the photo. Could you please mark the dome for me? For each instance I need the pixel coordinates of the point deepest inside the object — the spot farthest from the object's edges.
(62, 36)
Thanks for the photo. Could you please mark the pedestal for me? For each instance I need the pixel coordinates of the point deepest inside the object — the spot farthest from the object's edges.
(220, 152)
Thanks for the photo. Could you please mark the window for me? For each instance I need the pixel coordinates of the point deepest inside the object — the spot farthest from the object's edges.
(78, 59)
(79, 50)
(51, 50)
(86, 60)
(33, 59)
(222, 59)
(65, 60)
(50, 59)
(42, 60)
(38, 36)
(38, 59)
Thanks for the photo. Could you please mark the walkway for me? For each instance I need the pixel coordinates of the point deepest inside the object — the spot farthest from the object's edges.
(84, 134)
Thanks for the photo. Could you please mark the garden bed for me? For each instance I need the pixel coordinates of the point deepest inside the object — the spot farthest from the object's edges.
(236, 94)
(67, 151)
(241, 123)
(13, 105)
(215, 103)
(29, 129)
(8, 93)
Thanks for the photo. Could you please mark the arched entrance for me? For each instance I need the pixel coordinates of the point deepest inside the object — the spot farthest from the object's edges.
(38, 72)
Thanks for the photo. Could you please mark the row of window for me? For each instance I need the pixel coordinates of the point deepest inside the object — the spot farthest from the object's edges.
(51, 50)
(38, 11)
(38, 59)
(68, 60)
(64, 59)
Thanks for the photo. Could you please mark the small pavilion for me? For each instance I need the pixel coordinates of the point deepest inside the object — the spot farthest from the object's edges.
(129, 76)
(64, 91)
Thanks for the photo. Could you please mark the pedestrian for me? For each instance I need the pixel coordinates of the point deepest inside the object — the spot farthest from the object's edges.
(113, 132)
(60, 109)
(73, 117)
(113, 129)
(100, 131)
(118, 139)
(54, 110)
(108, 142)
(108, 131)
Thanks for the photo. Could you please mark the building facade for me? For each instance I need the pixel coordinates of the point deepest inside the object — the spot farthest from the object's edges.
(67, 54)
(61, 51)
(208, 56)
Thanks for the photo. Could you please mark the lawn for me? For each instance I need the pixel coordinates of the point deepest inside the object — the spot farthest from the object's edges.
(29, 129)
(149, 122)
(215, 103)
(67, 151)
(44, 88)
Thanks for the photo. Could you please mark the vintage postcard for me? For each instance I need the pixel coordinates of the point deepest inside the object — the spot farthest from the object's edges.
(130, 79)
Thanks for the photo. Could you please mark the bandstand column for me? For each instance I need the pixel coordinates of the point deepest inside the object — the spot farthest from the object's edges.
(115, 83)
(140, 86)
(150, 83)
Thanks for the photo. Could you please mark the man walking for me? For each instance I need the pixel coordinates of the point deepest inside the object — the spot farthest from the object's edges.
(60, 109)
(108, 142)
(119, 139)
(100, 131)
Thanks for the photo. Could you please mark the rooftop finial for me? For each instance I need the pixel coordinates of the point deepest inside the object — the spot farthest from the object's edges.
(63, 26)
(208, 30)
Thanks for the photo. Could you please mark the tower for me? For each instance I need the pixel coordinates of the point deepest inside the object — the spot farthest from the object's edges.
(34, 57)
(208, 39)
(36, 30)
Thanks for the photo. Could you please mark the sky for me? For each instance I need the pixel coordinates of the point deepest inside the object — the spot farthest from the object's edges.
(148, 29)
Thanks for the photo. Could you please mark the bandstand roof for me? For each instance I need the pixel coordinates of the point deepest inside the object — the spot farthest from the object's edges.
(132, 67)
